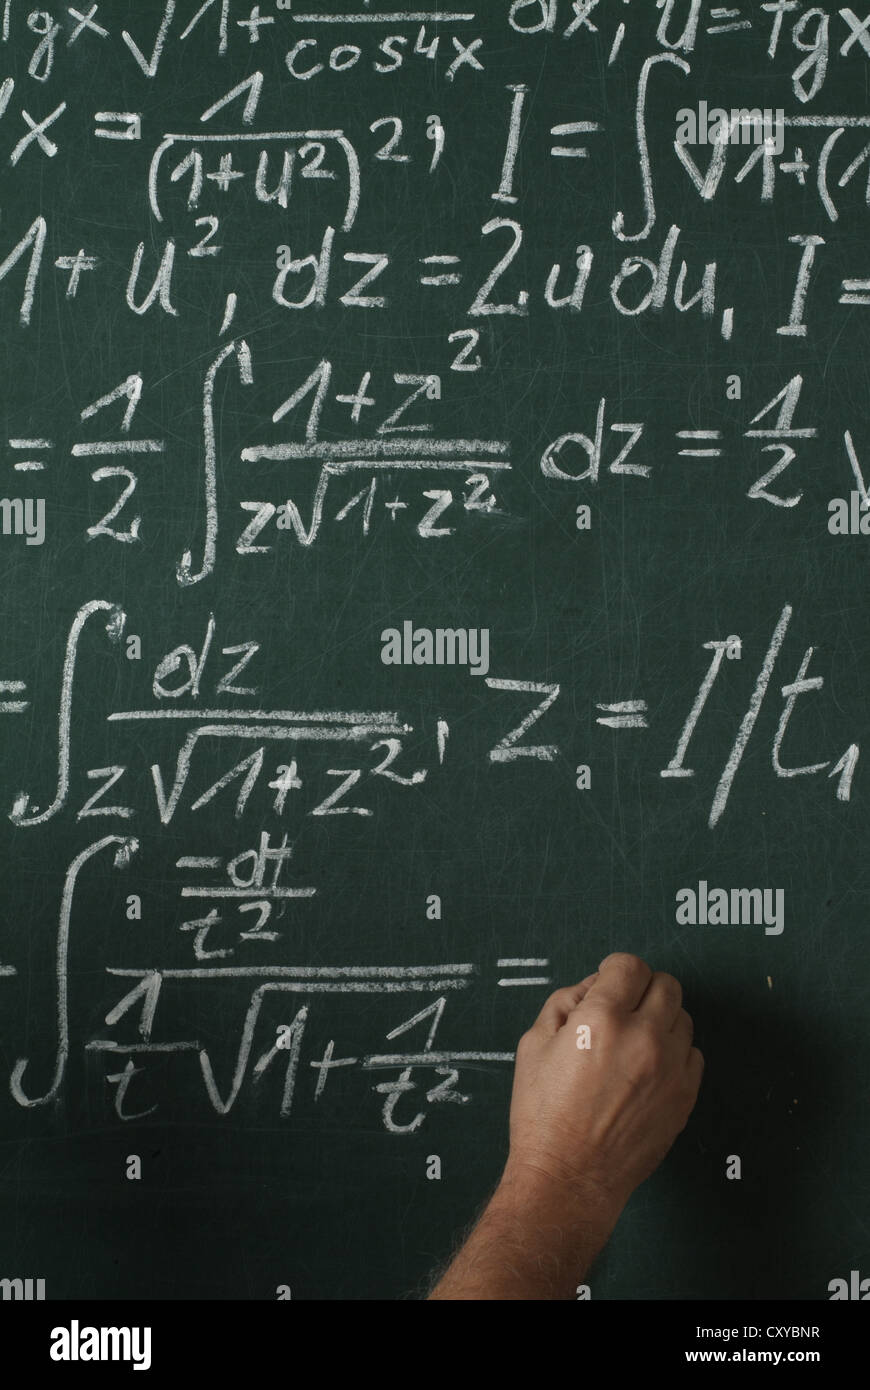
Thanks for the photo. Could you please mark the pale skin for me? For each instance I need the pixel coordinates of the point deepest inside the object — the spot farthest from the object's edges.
(587, 1126)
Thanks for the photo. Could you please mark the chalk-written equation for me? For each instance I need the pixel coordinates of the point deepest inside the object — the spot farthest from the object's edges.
(814, 34)
(190, 673)
(402, 470)
(195, 174)
(316, 181)
(234, 907)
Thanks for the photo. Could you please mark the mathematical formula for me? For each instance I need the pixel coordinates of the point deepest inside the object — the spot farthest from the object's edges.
(305, 306)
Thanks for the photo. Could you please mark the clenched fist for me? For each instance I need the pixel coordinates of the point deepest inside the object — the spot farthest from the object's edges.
(605, 1079)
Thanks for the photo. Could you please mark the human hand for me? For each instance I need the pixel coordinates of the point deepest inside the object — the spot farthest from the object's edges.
(599, 1119)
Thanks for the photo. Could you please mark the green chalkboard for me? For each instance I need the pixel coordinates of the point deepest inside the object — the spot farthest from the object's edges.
(423, 574)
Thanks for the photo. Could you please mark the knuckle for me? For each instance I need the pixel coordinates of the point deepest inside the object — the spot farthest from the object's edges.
(625, 963)
(670, 984)
(561, 997)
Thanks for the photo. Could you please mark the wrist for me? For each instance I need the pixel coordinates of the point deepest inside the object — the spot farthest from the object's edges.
(584, 1202)
(536, 1239)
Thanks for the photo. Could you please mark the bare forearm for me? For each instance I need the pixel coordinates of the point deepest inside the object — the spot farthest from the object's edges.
(605, 1079)
(535, 1240)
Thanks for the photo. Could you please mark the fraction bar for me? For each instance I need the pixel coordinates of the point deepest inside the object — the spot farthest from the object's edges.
(248, 892)
(301, 972)
(432, 1059)
(375, 718)
(393, 449)
(393, 17)
(119, 446)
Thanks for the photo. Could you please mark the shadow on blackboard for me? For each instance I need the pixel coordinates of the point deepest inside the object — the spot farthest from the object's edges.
(693, 1232)
(770, 1086)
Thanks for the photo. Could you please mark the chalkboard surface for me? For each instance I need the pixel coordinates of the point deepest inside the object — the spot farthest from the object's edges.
(434, 554)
